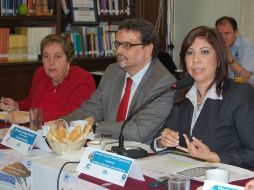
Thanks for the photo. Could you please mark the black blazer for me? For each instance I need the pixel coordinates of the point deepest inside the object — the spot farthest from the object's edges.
(225, 126)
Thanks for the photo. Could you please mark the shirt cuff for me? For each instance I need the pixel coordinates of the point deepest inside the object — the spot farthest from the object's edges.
(156, 148)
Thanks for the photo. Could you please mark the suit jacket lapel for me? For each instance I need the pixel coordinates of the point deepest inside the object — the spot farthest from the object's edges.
(143, 87)
(117, 92)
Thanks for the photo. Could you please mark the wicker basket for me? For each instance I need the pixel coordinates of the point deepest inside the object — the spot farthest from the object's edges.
(59, 148)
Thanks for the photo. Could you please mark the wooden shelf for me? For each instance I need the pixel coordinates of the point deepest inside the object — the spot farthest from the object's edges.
(95, 64)
(112, 18)
(17, 18)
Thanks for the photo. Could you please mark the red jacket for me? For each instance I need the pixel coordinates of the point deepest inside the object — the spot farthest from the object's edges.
(58, 101)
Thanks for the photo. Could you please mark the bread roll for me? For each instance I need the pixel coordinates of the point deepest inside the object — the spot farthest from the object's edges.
(75, 133)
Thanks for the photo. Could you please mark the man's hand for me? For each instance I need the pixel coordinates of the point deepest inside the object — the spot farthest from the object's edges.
(56, 123)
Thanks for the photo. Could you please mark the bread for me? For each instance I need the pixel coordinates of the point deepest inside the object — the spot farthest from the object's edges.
(85, 131)
(75, 133)
(56, 134)
(60, 135)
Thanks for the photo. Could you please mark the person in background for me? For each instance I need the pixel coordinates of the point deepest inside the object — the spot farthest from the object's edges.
(212, 119)
(58, 87)
(240, 50)
(127, 84)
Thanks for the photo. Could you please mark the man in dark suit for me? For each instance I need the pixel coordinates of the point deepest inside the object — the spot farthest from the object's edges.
(136, 48)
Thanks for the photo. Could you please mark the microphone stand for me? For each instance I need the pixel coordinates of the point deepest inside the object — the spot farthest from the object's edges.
(138, 152)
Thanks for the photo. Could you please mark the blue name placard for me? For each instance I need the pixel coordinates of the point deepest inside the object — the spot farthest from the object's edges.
(214, 185)
(108, 166)
(20, 138)
(23, 135)
(111, 161)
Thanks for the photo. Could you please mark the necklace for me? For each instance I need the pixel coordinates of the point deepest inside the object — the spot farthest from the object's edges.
(55, 88)
(199, 103)
(199, 98)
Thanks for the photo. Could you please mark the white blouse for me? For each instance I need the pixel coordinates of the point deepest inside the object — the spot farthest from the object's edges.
(192, 96)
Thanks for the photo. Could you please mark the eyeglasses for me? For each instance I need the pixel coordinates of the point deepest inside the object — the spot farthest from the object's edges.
(125, 45)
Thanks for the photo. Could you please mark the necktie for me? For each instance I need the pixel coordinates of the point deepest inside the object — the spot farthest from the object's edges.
(121, 114)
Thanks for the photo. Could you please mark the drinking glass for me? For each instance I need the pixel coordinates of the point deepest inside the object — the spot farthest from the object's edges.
(178, 183)
(35, 118)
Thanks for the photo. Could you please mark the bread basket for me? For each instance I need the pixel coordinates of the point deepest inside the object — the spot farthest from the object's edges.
(62, 140)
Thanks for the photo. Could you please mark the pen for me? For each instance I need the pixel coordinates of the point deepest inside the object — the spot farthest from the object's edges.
(162, 181)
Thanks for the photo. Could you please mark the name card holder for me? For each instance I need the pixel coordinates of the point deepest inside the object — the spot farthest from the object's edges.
(214, 185)
(108, 166)
(20, 138)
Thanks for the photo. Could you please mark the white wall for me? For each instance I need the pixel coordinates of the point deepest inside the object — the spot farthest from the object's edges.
(191, 13)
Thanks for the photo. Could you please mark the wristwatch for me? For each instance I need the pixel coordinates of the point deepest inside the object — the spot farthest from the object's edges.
(95, 125)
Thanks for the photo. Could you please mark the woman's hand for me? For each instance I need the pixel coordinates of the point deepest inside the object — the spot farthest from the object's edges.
(8, 104)
(196, 148)
(169, 138)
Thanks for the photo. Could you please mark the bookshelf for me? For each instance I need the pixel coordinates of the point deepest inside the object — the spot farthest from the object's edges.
(16, 76)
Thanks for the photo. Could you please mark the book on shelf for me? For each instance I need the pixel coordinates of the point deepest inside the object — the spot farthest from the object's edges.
(43, 7)
(76, 39)
(65, 6)
(17, 47)
(115, 7)
(82, 31)
(109, 32)
(34, 38)
(4, 42)
(92, 41)
(35, 7)
(96, 41)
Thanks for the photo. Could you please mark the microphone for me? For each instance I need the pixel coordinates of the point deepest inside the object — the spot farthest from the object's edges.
(138, 152)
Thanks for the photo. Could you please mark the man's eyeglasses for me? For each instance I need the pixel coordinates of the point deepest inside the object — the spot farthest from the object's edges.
(125, 45)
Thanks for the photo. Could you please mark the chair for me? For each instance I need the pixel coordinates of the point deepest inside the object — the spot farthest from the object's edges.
(168, 62)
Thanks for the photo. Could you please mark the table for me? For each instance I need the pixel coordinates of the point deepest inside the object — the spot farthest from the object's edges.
(46, 169)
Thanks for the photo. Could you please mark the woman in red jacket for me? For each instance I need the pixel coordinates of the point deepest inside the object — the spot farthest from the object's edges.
(57, 87)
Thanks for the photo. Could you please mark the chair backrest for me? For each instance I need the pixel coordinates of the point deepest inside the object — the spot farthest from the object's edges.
(168, 62)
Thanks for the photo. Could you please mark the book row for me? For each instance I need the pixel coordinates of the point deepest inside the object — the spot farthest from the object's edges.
(27, 7)
(115, 7)
(107, 7)
(94, 41)
(24, 44)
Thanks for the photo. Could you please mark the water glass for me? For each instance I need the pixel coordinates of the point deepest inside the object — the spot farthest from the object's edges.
(35, 118)
(218, 175)
(178, 183)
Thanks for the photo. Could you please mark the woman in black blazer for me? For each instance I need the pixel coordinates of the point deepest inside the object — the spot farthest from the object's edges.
(213, 119)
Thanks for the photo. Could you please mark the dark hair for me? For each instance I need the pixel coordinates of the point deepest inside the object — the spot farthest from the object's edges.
(66, 44)
(214, 38)
(146, 30)
(228, 19)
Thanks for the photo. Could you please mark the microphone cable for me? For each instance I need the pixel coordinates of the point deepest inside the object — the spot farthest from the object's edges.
(59, 174)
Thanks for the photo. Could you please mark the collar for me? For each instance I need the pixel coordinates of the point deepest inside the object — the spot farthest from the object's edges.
(237, 42)
(139, 75)
(211, 93)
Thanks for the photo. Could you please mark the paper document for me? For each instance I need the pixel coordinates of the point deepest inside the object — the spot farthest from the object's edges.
(173, 164)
